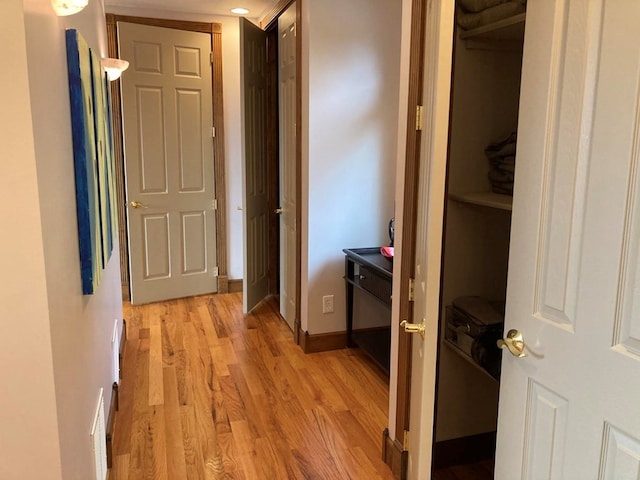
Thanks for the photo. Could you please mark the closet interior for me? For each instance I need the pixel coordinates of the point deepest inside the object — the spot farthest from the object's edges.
(487, 63)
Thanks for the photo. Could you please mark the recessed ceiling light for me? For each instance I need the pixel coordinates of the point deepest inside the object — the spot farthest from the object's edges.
(239, 11)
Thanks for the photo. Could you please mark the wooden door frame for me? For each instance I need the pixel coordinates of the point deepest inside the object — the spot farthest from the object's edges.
(266, 23)
(215, 31)
(395, 451)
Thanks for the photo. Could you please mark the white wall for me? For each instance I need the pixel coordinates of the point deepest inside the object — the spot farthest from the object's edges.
(59, 341)
(28, 422)
(349, 156)
(232, 125)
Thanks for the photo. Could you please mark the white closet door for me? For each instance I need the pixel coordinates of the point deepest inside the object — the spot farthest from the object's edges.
(569, 410)
(287, 167)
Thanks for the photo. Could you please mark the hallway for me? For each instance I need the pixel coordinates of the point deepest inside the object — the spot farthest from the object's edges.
(209, 393)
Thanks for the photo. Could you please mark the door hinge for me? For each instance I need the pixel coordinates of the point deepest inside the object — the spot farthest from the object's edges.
(214, 204)
(419, 117)
(405, 441)
(211, 57)
(216, 272)
(412, 283)
(213, 132)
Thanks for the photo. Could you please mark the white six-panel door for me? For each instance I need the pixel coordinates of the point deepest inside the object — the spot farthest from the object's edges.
(287, 164)
(571, 409)
(168, 120)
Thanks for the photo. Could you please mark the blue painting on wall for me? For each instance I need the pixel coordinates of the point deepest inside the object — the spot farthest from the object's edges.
(93, 159)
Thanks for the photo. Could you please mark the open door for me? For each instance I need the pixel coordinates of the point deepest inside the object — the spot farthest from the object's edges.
(287, 164)
(568, 405)
(255, 179)
(569, 409)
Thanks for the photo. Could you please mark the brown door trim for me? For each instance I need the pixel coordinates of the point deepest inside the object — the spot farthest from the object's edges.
(297, 324)
(272, 15)
(215, 30)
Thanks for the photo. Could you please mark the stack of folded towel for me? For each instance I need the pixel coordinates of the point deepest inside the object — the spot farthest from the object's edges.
(502, 164)
(476, 13)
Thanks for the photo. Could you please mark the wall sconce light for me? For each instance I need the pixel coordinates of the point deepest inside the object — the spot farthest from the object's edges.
(68, 7)
(114, 67)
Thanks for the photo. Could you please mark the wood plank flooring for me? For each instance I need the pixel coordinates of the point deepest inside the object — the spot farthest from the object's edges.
(210, 394)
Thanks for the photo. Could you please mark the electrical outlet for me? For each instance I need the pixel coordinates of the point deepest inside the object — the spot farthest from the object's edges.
(327, 304)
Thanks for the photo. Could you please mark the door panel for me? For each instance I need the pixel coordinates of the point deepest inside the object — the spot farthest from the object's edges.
(156, 246)
(621, 455)
(563, 193)
(194, 238)
(256, 211)
(152, 161)
(192, 161)
(545, 432)
(287, 164)
(569, 409)
(167, 120)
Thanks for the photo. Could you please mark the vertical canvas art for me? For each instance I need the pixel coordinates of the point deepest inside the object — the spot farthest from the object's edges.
(93, 159)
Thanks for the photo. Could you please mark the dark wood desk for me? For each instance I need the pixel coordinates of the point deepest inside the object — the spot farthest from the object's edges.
(367, 270)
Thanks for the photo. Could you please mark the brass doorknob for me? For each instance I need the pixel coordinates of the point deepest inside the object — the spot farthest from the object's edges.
(514, 342)
(419, 328)
(135, 204)
(278, 211)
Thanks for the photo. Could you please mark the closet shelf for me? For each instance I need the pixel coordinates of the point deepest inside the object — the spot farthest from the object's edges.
(506, 34)
(485, 199)
(467, 358)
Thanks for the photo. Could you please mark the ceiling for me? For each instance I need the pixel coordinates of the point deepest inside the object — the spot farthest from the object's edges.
(213, 7)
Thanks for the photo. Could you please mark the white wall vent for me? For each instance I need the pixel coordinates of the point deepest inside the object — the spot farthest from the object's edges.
(98, 441)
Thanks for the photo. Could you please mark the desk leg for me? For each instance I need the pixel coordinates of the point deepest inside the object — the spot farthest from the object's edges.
(349, 272)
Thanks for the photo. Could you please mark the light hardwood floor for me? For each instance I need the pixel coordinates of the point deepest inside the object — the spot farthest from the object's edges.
(208, 393)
